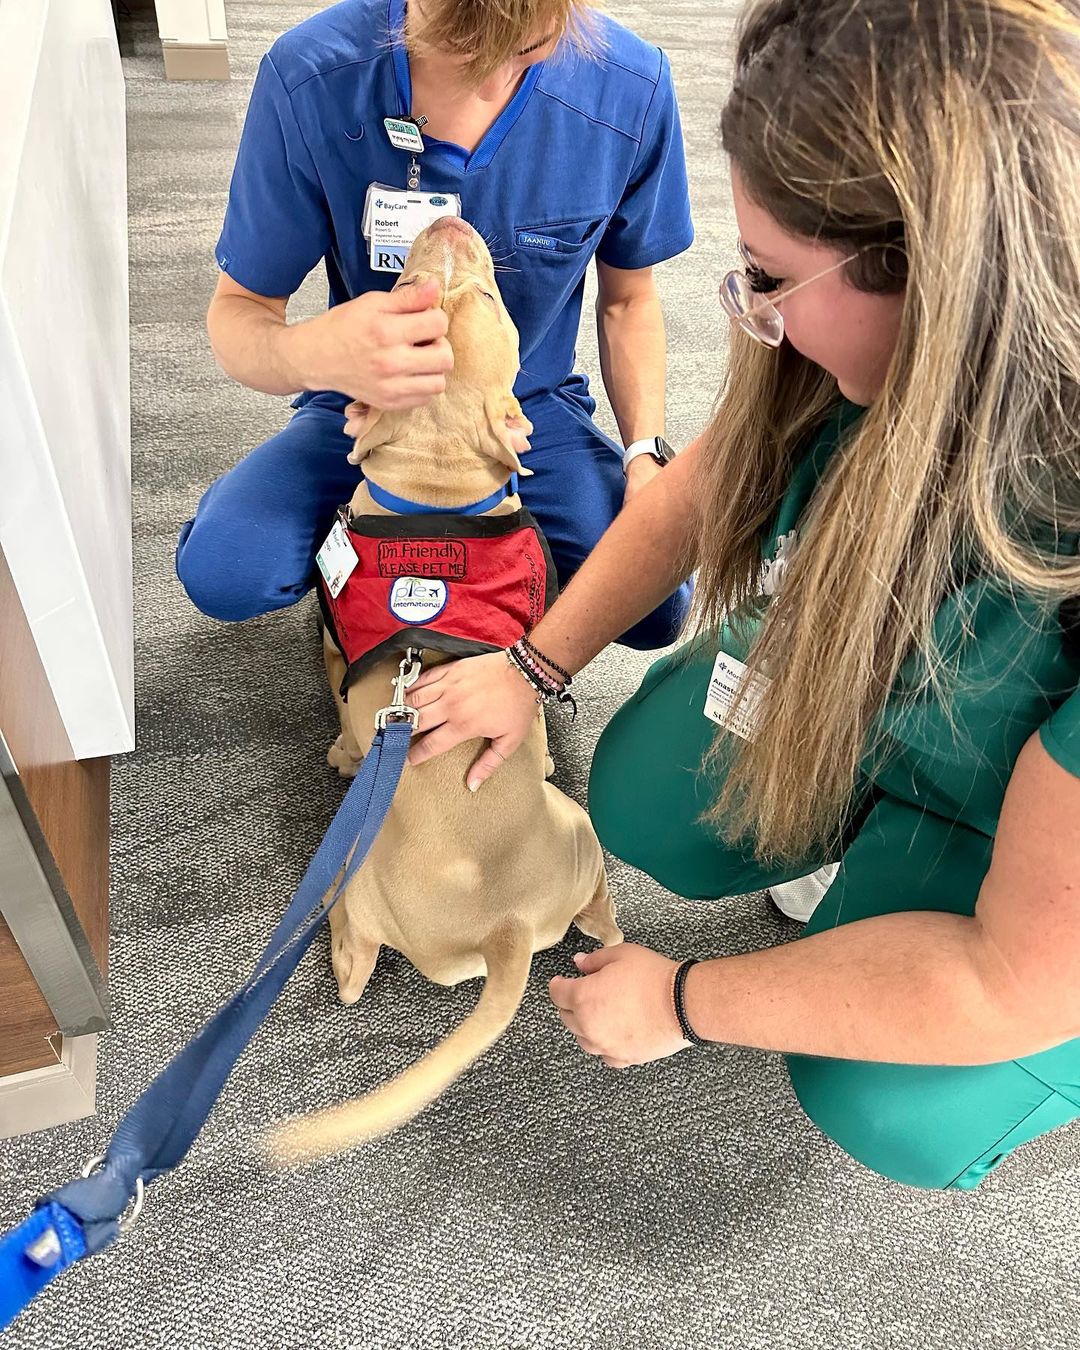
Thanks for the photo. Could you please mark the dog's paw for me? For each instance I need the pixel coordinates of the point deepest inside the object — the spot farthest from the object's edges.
(606, 931)
(339, 758)
(352, 963)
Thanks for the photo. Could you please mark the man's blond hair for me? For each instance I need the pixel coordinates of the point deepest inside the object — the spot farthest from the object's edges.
(488, 33)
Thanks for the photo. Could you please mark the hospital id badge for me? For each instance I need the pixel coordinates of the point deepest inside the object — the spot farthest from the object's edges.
(725, 685)
(393, 219)
(337, 559)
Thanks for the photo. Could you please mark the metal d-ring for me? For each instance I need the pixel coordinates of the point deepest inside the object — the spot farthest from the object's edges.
(126, 1221)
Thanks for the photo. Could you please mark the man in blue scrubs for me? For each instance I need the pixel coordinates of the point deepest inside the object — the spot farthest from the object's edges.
(559, 132)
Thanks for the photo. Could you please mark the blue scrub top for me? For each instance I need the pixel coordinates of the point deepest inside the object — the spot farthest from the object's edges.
(587, 159)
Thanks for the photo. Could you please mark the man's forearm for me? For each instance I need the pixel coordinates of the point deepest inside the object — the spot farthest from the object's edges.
(908, 988)
(633, 362)
(642, 557)
(255, 345)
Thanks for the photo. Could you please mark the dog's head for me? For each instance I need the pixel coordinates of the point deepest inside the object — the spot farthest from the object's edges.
(478, 407)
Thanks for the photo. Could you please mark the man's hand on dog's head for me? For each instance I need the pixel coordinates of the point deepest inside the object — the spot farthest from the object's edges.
(387, 349)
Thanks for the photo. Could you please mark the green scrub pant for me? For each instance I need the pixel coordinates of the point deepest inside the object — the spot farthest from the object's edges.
(935, 1127)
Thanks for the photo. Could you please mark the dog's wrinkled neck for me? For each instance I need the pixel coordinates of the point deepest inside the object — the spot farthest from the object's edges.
(435, 465)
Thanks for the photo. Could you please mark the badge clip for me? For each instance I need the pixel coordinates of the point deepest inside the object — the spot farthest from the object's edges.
(404, 133)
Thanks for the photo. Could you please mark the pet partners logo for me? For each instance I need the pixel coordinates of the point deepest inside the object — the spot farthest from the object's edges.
(416, 600)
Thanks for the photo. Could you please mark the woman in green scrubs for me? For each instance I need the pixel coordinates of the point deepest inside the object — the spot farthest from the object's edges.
(884, 520)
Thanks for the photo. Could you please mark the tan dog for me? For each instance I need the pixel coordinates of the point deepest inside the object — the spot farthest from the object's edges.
(464, 884)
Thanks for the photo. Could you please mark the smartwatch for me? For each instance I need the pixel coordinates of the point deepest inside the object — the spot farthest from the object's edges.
(653, 446)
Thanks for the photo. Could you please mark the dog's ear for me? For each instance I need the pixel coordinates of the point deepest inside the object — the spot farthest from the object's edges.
(368, 427)
(508, 431)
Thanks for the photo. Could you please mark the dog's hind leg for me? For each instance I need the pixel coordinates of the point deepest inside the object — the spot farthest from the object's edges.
(345, 754)
(352, 954)
(597, 919)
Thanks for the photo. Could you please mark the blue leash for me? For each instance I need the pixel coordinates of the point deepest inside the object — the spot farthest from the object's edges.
(85, 1215)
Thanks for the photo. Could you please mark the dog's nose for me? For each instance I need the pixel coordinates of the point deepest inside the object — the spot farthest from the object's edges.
(453, 224)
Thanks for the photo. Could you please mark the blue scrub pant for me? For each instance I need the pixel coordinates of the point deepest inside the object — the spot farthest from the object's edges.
(251, 545)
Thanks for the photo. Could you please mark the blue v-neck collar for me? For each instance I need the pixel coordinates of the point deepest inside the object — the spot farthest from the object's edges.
(484, 153)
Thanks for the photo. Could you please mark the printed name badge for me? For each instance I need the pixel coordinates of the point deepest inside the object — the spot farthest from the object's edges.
(404, 135)
(336, 559)
(725, 684)
(393, 219)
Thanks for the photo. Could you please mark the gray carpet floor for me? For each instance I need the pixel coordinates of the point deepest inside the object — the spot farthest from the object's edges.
(543, 1202)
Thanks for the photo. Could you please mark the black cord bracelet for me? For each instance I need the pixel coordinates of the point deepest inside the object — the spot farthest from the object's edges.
(564, 675)
(680, 1010)
(540, 684)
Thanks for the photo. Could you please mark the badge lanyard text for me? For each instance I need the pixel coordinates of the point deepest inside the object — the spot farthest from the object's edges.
(405, 134)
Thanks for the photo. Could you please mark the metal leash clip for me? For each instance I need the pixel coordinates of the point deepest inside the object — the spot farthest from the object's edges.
(127, 1219)
(47, 1250)
(399, 711)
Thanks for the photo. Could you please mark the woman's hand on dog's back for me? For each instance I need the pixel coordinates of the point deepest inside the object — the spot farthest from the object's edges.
(641, 558)
(481, 696)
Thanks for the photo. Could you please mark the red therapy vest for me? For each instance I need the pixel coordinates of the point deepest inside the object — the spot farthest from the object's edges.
(451, 583)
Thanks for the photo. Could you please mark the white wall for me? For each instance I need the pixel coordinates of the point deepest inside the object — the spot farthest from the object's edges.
(65, 475)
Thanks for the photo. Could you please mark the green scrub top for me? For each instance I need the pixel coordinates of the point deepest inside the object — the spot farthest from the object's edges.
(922, 843)
(1014, 676)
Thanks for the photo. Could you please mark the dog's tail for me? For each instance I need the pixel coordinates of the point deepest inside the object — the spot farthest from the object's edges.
(508, 952)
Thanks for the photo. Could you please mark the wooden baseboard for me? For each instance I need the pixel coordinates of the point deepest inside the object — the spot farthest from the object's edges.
(28, 1028)
(195, 60)
(55, 1095)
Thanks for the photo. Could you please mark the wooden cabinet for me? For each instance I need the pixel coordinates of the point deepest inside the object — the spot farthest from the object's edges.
(66, 651)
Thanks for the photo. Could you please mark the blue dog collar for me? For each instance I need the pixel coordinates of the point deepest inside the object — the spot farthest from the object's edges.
(403, 507)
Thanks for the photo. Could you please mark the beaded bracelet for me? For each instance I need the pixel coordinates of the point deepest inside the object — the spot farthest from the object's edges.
(677, 987)
(540, 680)
(525, 676)
(542, 686)
(565, 675)
(549, 682)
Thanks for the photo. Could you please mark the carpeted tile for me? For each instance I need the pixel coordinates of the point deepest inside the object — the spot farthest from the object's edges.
(543, 1202)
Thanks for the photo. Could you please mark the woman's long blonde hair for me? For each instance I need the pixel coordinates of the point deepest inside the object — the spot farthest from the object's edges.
(941, 138)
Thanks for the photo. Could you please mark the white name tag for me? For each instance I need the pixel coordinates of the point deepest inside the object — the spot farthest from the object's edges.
(393, 219)
(337, 559)
(404, 135)
(725, 684)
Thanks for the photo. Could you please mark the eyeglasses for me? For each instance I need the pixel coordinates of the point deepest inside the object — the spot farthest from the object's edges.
(744, 302)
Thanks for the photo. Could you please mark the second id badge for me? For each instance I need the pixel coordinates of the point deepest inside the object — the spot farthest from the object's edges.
(393, 219)
(337, 559)
(730, 700)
